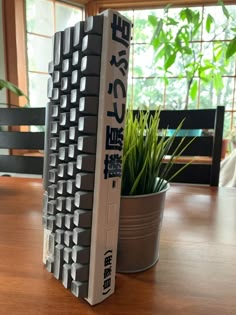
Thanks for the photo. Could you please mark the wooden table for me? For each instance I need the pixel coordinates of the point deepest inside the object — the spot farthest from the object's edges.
(196, 273)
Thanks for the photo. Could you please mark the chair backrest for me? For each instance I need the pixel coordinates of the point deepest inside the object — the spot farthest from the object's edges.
(200, 171)
(21, 140)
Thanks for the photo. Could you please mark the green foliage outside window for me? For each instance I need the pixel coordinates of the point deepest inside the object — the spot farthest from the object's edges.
(214, 46)
(176, 39)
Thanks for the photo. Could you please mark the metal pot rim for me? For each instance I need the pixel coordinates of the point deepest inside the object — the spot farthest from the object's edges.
(146, 195)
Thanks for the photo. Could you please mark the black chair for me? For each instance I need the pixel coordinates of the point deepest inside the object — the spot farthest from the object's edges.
(209, 145)
(21, 140)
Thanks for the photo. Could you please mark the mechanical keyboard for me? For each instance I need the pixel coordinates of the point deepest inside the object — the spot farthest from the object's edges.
(87, 91)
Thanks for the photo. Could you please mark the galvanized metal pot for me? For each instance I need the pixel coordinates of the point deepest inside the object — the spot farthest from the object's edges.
(139, 231)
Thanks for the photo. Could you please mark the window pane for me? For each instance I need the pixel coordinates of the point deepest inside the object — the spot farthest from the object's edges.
(207, 96)
(142, 28)
(174, 13)
(67, 16)
(129, 98)
(37, 21)
(184, 63)
(143, 66)
(148, 93)
(233, 132)
(210, 99)
(225, 97)
(131, 60)
(176, 94)
(39, 53)
(223, 28)
(227, 124)
(210, 49)
(230, 132)
(38, 89)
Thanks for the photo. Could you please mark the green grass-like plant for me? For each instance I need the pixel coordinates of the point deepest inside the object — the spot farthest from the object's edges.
(144, 150)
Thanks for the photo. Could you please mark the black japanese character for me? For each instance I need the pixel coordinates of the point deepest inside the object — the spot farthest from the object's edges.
(115, 114)
(108, 260)
(117, 83)
(114, 138)
(107, 272)
(120, 30)
(106, 285)
(112, 166)
(123, 61)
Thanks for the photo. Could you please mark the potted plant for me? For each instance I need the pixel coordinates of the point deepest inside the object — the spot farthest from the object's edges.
(145, 180)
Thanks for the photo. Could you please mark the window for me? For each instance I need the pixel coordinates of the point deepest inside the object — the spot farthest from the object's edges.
(43, 19)
(146, 87)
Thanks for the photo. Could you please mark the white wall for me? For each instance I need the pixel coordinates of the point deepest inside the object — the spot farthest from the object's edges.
(2, 59)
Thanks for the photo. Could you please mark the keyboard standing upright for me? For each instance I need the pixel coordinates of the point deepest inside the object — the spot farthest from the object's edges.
(84, 134)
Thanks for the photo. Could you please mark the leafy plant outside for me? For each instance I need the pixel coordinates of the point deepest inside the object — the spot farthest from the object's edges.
(144, 151)
(175, 39)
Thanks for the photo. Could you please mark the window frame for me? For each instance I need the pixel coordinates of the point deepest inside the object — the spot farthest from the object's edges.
(14, 27)
(15, 51)
(95, 6)
(36, 74)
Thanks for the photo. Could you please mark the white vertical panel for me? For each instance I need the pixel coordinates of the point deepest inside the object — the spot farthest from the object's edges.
(107, 189)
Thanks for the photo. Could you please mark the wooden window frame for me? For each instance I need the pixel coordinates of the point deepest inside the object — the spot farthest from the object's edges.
(14, 28)
(95, 6)
(15, 47)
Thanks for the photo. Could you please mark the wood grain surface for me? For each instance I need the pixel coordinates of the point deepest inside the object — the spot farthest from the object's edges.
(196, 273)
